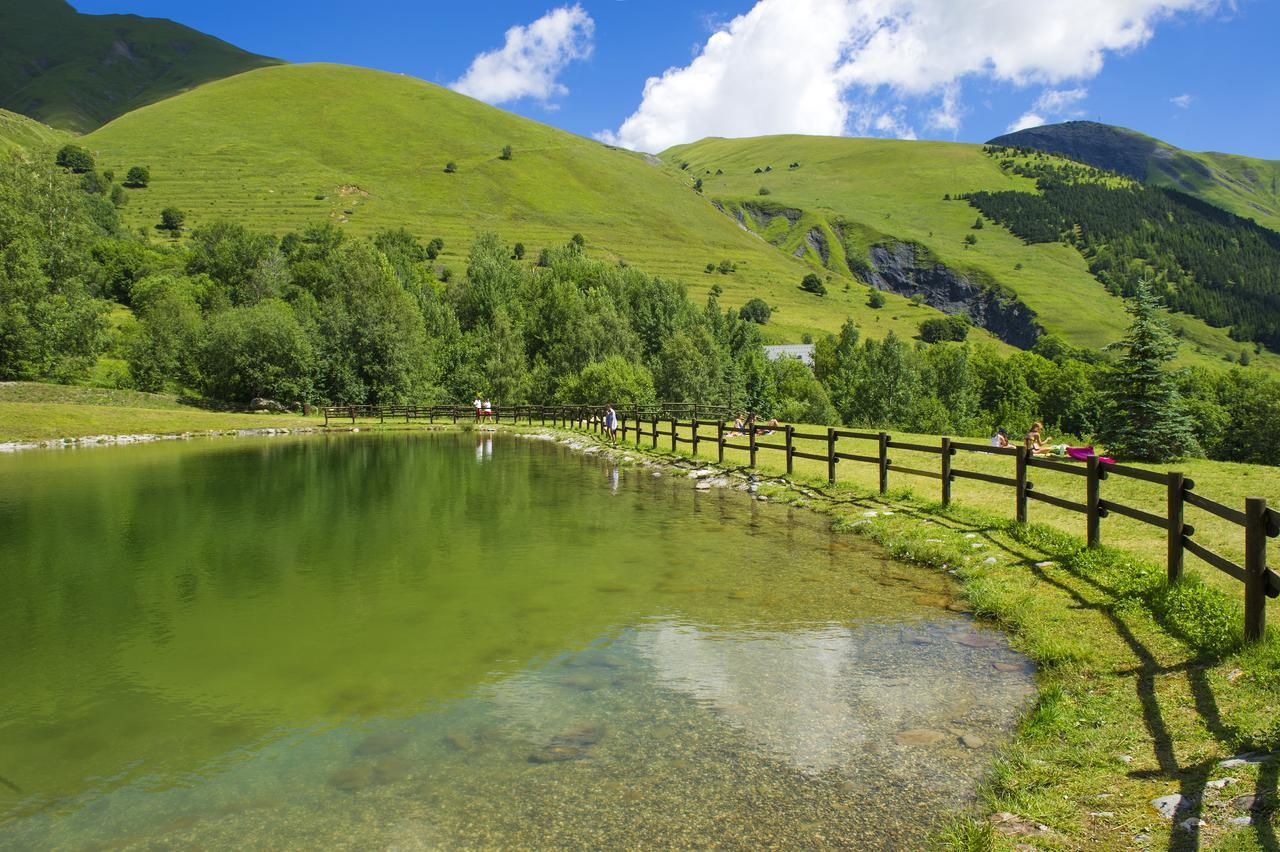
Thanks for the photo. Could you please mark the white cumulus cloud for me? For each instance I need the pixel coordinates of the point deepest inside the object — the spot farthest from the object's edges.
(1182, 101)
(529, 63)
(1052, 105)
(807, 66)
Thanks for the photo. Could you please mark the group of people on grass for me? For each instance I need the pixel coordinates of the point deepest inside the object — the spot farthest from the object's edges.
(1037, 444)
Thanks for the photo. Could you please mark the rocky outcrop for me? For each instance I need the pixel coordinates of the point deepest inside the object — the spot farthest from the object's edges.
(763, 214)
(907, 270)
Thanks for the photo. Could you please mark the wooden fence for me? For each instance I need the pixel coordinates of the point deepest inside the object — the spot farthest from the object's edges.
(666, 421)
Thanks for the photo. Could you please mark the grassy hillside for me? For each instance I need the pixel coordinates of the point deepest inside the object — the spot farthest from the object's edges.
(877, 189)
(77, 72)
(283, 147)
(18, 131)
(1246, 186)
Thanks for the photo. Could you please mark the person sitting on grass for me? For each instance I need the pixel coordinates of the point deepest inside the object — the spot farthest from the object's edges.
(739, 428)
(1000, 438)
(1036, 441)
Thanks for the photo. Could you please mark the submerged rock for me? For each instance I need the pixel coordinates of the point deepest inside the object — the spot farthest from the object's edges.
(381, 744)
(351, 778)
(918, 736)
(573, 744)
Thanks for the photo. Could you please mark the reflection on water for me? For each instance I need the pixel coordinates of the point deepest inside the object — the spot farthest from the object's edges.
(362, 642)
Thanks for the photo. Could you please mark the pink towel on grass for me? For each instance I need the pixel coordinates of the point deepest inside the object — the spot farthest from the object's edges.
(1084, 453)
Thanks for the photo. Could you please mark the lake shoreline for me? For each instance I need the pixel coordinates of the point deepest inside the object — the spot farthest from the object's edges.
(1096, 761)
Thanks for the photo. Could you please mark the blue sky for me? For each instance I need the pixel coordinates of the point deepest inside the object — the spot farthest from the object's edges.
(1197, 73)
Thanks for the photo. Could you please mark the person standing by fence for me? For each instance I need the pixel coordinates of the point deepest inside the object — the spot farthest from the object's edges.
(611, 424)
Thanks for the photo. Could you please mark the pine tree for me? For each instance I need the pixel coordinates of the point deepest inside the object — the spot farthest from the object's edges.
(1146, 417)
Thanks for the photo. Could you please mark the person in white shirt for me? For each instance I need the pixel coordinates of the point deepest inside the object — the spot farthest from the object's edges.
(488, 409)
(476, 405)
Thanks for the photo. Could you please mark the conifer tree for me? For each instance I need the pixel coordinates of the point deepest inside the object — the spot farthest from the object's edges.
(1146, 418)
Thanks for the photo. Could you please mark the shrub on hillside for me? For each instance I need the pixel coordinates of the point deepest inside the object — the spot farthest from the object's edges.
(727, 266)
(119, 197)
(75, 158)
(711, 267)
(172, 220)
(813, 284)
(506, 153)
(517, 251)
(944, 328)
(875, 299)
(450, 167)
(578, 240)
(970, 240)
(94, 183)
(138, 177)
(764, 190)
(434, 247)
(756, 310)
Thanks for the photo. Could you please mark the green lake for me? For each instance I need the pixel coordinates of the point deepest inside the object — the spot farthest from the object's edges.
(427, 640)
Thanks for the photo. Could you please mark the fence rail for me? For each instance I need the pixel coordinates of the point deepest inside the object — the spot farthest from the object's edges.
(1257, 521)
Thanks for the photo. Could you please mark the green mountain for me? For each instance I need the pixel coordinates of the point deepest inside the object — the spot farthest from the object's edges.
(1246, 186)
(283, 147)
(891, 212)
(18, 131)
(76, 72)
(368, 150)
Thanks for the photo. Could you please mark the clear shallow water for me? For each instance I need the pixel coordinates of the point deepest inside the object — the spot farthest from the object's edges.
(442, 640)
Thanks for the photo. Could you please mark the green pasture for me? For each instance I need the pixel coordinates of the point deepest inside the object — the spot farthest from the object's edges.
(883, 188)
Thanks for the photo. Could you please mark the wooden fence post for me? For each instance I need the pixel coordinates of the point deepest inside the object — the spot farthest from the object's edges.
(790, 448)
(1093, 501)
(695, 431)
(719, 441)
(946, 472)
(751, 442)
(1020, 486)
(1177, 525)
(674, 430)
(351, 410)
(653, 432)
(884, 463)
(831, 455)
(1255, 568)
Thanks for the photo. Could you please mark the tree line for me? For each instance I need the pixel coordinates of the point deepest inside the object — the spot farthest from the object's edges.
(320, 316)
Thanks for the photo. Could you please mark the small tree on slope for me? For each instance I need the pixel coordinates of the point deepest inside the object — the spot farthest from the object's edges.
(1145, 417)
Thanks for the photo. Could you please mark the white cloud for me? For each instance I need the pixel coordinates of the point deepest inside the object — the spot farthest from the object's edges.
(1026, 120)
(803, 66)
(527, 65)
(1052, 105)
(1182, 101)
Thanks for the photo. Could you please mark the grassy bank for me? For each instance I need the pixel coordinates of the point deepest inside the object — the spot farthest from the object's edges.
(1144, 688)
(39, 412)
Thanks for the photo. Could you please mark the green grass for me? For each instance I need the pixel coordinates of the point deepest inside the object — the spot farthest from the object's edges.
(38, 412)
(1143, 687)
(18, 131)
(893, 188)
(76, 72)
(376, 144)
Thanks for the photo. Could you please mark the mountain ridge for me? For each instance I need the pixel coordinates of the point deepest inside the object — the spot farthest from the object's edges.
(1246, 186)
(76, 72)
